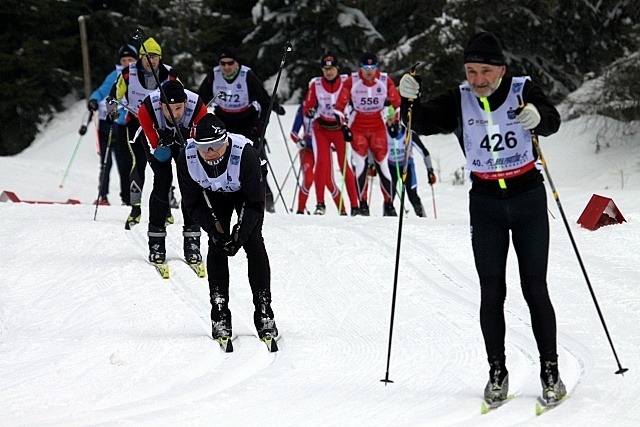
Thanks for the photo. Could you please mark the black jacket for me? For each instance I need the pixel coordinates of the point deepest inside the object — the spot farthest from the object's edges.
(251, 192)
(443, 114)
(247, 118)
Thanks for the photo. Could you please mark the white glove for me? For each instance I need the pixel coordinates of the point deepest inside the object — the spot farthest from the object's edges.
(529, 117)
(409, 87)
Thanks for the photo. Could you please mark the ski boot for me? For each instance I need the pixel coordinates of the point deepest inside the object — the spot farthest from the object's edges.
(364, 208)
(419, 209)
(191, 236)
(497, 388)
(263, 317)
(134, 217)
(270, 205)
(157, 250)
(553, 389)
(221, 329)
(173, 202)
(320, 209)
(388, 209)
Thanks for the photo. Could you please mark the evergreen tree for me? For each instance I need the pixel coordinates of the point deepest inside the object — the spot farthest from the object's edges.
(557, 42)
(39, 48)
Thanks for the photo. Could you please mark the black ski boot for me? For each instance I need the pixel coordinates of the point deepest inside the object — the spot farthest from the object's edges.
(388, 209)
(157, 251)
(263, 317)
(134, 217)
(553, 389)
(191, 236)
(173, 202)
(320, 209)
(220, 317)
(497, 388)
(270, 205)
(419, 209)
(364, 208)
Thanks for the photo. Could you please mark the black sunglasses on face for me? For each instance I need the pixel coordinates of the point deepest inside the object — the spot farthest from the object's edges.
(227, 62)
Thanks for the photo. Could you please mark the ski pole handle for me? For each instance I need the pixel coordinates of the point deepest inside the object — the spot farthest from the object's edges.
(83, 128)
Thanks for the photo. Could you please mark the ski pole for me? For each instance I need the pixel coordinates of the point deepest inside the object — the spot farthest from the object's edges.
(370, 179)
(111, 100)
(536, 144)
(296, 191)
(287, 48)
(82, 131)
(407, 141)
(220, 95)
(103, 168)
(286, 177)
(344, 176)
(260, 143)
(286, 145)
(433, 199)
(275, 181)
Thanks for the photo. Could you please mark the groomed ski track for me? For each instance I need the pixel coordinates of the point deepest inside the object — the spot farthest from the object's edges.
(91, 335)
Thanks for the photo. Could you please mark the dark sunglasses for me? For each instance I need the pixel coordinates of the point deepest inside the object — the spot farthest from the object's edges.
(227, 62)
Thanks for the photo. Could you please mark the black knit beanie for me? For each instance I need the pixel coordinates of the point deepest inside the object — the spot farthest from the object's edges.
(174, 91)
(484, 48)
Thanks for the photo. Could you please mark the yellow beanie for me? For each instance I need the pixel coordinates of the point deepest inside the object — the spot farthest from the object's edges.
(151, 46)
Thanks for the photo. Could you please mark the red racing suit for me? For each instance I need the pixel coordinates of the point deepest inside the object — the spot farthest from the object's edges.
(322, 95)
(367, 125)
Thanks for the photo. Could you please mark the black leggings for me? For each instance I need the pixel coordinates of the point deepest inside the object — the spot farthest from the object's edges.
(412, 193)
(259, 270)
(162, 179)
(525, 215)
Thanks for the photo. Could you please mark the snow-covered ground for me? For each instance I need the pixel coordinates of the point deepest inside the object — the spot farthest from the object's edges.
(91, 335)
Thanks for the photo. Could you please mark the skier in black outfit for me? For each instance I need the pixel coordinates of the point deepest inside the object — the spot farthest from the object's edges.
(495, 116)
(161, 143)
(243, 108)
(219, 172)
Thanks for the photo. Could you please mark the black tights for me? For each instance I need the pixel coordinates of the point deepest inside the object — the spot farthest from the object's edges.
(525, 216)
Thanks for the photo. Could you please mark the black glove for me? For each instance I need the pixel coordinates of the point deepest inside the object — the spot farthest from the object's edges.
(166, 137)
(231, 248)
(93, 105)
(346, 133)
(257, 128)
(280, 110)
(311, 113)
(233, 245)
(394, 128)
(219, 239)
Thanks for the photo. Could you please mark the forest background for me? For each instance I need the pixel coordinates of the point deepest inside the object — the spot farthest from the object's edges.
(561, 44)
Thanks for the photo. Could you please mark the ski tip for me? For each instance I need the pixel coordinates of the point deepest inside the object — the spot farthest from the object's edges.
(539, 410)
(484, 409)
(162, 269)
(272, 346)
(488, 405)
(226, 345)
